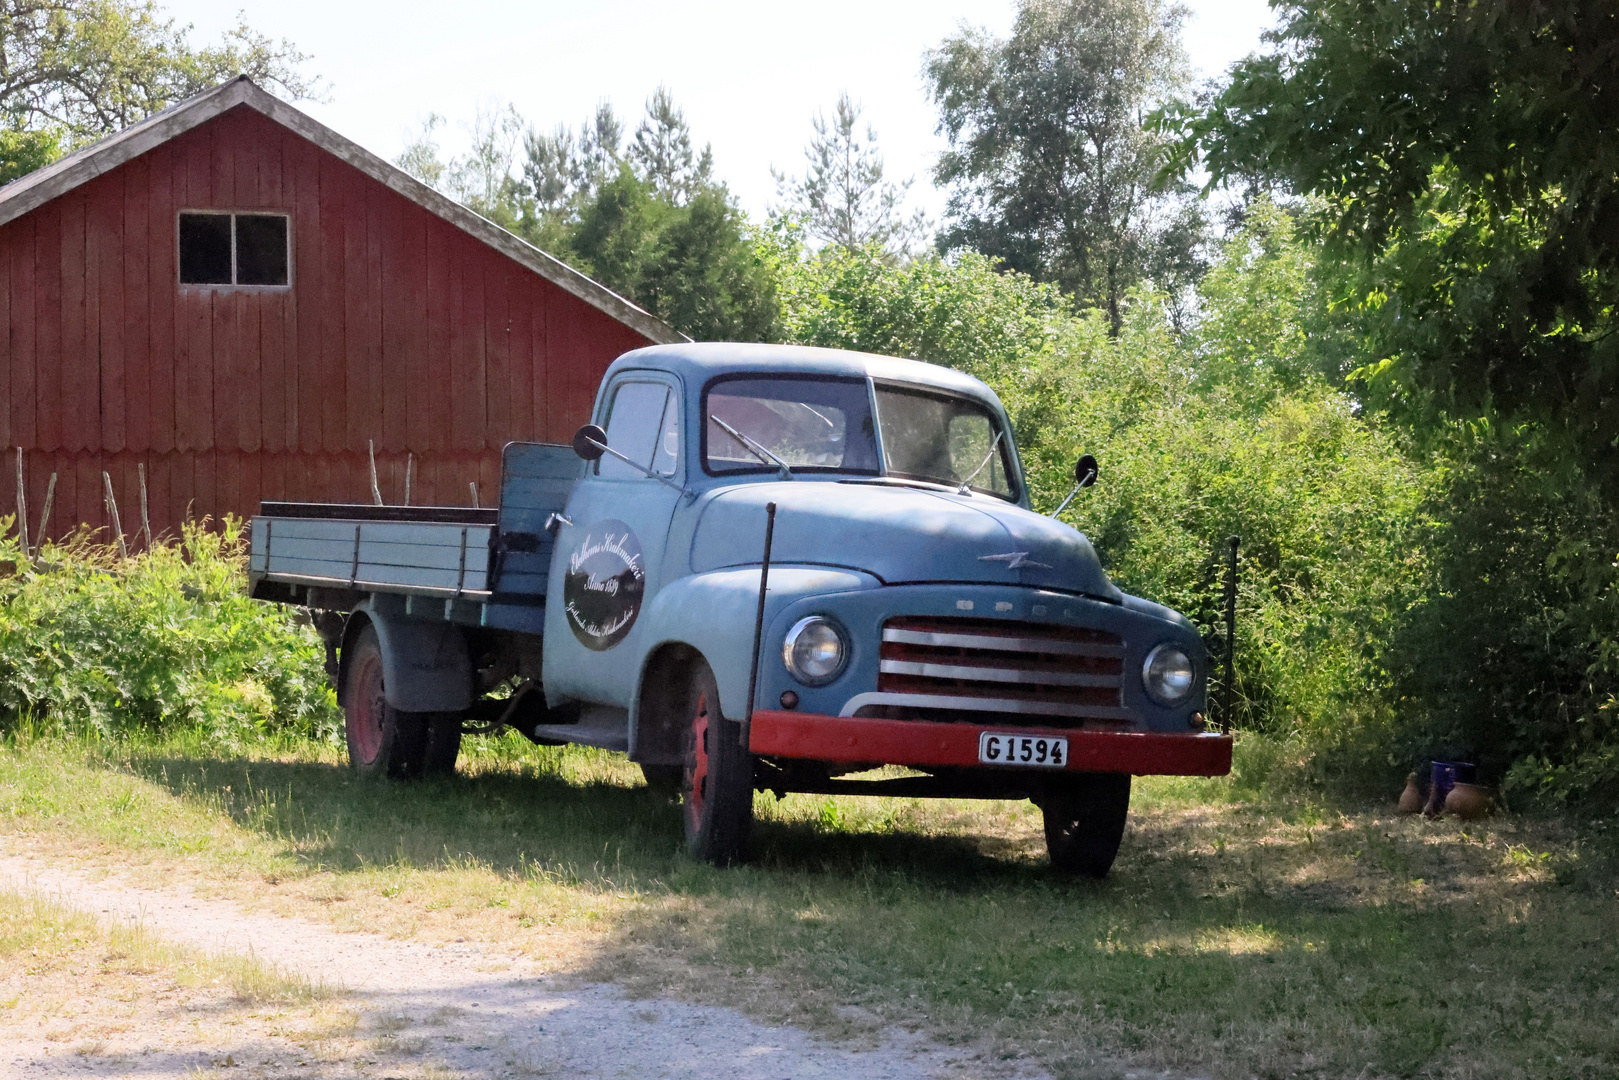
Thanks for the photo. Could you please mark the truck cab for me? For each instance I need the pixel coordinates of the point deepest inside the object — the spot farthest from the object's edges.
(778, 568)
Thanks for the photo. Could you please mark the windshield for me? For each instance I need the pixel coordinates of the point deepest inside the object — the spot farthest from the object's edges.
(943, 439)
(809, 424)
(826, 425)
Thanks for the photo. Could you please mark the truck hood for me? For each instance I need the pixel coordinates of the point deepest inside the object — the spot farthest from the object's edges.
(898, 534)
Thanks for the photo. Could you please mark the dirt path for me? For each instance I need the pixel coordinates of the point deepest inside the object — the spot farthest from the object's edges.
(455, 1010)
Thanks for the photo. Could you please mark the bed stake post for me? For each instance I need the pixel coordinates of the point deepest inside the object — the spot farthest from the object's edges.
(376, 491)
(759, 622)
(112, 510)
(1230, 636)
(146, 518)
(45, 514)
(22, 507)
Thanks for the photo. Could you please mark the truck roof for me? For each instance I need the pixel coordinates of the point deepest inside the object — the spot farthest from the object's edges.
(700, 361)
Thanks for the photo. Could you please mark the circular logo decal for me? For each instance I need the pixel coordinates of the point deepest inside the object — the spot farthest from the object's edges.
(604, 585)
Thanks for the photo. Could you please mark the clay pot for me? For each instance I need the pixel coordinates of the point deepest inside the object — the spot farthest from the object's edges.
(1411, 797)
(1468, 801)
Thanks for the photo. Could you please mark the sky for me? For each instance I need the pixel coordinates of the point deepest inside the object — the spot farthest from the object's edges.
(750, 75)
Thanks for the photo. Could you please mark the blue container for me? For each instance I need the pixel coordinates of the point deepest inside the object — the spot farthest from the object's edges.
(1445, 776)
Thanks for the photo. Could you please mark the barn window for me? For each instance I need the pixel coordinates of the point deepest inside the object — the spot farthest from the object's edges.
(233, 249)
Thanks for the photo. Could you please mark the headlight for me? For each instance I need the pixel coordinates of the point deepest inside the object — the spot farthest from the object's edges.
(1168, 675)
(815, 650)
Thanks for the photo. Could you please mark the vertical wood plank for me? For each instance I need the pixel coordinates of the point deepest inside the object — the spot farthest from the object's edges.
(81, 426)
(438, 380)
(271, 384)
(363, 396)
(333, 367)
(107, 238)
(21, 241)
(520, 391)
(162, 252)
(49, 317)
(8, 286)
(134, 278)
(393, 308)
(303, 181)
(496, 426)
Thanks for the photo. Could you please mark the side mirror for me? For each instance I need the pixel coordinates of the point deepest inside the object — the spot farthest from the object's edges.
(589, 441)
(1085, 471)
(1084, 476)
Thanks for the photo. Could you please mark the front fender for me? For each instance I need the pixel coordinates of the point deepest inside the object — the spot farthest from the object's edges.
(714, 614)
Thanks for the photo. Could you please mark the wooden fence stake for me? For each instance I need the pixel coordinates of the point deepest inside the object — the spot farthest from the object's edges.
(146, 520)
(376, 492)
(410, 470)
(45, 515)
(112, 508)
(22, 507)
(472, 486)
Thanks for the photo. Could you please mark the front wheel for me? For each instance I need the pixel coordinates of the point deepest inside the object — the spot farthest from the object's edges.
(1084, 819)
(716, 784)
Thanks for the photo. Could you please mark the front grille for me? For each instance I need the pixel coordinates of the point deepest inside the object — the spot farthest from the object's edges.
(961, 669)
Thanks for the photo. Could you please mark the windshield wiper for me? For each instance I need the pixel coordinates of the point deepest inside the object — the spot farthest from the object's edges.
(963, 489)
(754, 448)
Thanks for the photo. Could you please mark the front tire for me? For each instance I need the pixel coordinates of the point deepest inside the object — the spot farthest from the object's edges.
(383, 740)
(1084, 819)
(716, 788)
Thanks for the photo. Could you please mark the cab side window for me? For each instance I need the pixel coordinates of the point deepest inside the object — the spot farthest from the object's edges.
(643, 424)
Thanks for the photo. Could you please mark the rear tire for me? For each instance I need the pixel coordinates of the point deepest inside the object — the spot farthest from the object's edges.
(383, 740)
(441, 744)
(1084, 819)
(716, 788)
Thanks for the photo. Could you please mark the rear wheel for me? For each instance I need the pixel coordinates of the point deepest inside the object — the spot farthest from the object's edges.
(383, 740)
(716, 786)
(1084, 818)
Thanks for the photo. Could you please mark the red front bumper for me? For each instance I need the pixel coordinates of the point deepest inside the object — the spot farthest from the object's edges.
(918, 743)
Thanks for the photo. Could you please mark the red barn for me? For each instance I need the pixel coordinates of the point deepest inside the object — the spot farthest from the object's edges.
(244, 302)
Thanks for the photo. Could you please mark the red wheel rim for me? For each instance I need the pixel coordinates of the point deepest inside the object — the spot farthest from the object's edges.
(697, 766)
(366, 710)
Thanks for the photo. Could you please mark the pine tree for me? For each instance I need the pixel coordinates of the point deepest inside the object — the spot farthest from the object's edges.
(842, 198)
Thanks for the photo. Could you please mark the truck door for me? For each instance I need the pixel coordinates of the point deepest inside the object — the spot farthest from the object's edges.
(608, 563)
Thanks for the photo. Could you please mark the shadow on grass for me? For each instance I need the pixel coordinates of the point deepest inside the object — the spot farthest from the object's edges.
(511, 822)
(1228, 941)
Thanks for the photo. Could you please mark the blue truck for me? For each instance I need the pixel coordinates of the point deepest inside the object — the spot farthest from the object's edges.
(760, 569)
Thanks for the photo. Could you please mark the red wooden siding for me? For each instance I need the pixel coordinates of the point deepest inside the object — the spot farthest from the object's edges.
(398, 327)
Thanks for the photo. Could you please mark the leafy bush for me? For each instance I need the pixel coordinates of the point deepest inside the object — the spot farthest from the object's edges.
(1511, 653)
(164, 639)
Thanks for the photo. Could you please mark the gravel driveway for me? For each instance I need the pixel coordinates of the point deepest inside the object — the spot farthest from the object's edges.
(446, 1010)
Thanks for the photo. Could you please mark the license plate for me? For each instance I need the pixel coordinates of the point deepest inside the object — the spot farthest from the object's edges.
(1038, 751)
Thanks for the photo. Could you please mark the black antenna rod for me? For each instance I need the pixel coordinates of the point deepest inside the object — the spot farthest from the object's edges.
(759, 619)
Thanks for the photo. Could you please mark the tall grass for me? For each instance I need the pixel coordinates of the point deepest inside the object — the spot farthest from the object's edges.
(163, 640)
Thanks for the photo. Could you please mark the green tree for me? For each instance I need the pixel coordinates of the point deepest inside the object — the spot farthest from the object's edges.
(75, 70)
(843, 198)
(1481, 214)
(1051, 167)
(692, 264)
(661, 152)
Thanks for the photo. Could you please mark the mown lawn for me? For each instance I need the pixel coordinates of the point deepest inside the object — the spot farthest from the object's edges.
(1267, 937)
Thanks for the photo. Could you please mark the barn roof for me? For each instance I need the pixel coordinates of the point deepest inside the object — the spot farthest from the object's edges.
(41, 186)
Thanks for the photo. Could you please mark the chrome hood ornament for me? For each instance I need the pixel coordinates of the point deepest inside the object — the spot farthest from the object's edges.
(1015, 560)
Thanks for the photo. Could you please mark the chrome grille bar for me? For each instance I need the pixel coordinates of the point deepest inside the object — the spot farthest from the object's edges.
(997, 643)
(973, 673)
